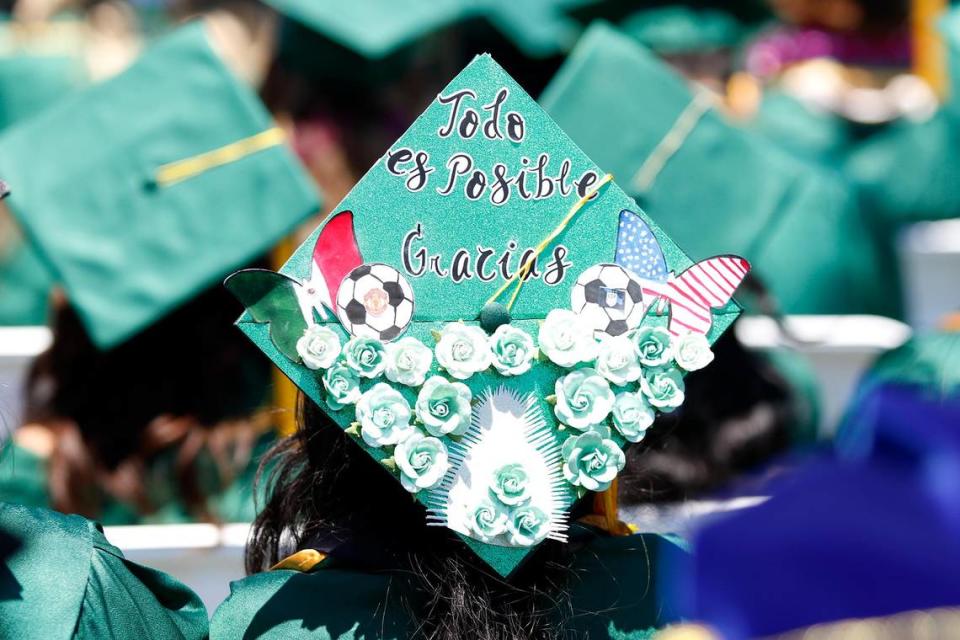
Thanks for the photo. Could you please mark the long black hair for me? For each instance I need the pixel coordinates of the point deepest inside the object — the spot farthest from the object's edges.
(325, 491)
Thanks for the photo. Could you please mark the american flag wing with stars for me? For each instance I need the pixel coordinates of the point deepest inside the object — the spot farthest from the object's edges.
(704, 286)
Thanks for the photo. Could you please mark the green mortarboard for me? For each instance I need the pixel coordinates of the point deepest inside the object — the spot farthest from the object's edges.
(377, 28)
(682, 29)
(31, 79)
(144, 190)
(715, 188)
(404, 318)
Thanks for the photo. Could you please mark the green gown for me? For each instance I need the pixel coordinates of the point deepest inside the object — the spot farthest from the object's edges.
(615, 594)
(23, 480)
(61, 579)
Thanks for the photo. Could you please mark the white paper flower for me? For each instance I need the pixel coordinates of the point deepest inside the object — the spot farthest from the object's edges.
(365, 356)
(513, 350)
(527, 526)
(318, 347)
(462, 350)
(487, 521)
(342, 384)
(692, 352)
(584, 399)
(384, 416)
(422, 461)
(407, 361)
(566, 338)
(444, 407)
(632, 416)
(663, 388)
(617, 360)
(652, 345)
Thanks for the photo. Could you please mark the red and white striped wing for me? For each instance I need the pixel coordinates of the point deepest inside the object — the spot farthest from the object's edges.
(704, 286)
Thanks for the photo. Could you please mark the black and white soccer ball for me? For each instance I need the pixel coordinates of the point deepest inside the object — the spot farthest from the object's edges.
(609, 298)
(375, 301)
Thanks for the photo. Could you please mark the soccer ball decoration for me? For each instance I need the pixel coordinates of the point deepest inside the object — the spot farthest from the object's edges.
(609, 298)
(375, 301)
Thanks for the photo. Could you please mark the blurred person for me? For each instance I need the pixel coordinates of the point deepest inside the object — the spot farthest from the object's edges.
(148, 406)
(60, 578)
(862, 541)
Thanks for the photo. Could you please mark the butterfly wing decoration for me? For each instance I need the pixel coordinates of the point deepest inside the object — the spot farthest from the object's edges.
(335, 255)
(272, 298)
(693, 294)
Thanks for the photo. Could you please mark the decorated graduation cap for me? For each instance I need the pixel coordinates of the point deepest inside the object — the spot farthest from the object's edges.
(490, 317)
(146, 189)
(714, 187)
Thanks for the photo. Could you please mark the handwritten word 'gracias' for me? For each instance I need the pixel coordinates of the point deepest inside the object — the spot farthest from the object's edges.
(533, 180)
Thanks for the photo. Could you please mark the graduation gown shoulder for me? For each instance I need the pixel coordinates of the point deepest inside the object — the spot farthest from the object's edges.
(60, 579)
(613, 585)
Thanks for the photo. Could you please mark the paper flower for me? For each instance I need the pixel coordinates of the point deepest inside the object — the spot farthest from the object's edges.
(365, 356)
(652, 345)
(528, 526)
(632, 416)
(462, 350)
(592, 460)
(384, 416)
(692, 352)
(510, 485)
(584, 398)
(422, 461)
(407, 361)
(663, 388)
(444, 407)
(513, 350)
(319, 347)
(617, 360)
(566, 338)
(488, 521)
(343, 386)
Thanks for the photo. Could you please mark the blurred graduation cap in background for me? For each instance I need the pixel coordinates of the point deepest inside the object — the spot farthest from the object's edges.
(376, 29)
(145, 190)
(712, 185)
(36, 70)
(678, 28)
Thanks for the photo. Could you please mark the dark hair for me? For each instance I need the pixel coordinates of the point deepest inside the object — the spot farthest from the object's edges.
(737, 415)
(322, 487)
(187, 385)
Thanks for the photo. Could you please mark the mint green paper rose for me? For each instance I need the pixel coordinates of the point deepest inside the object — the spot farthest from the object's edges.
(692, 352)
(384, 416)
(583, 399)
(528, 526)
(663, 388)
(422, 461)
(566, 338)
(319, 347)
(365, 356)
(617, 360)
(463, 350)
(487, 521)
(444, 407)
(343, 386)
(632, 416)
(592, 460)
(407, 361)
(510, 485)
(513, 350)
(652, 345)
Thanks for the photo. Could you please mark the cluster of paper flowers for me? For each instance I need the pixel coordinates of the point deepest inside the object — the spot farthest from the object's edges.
(646, 367)
(508, 512)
